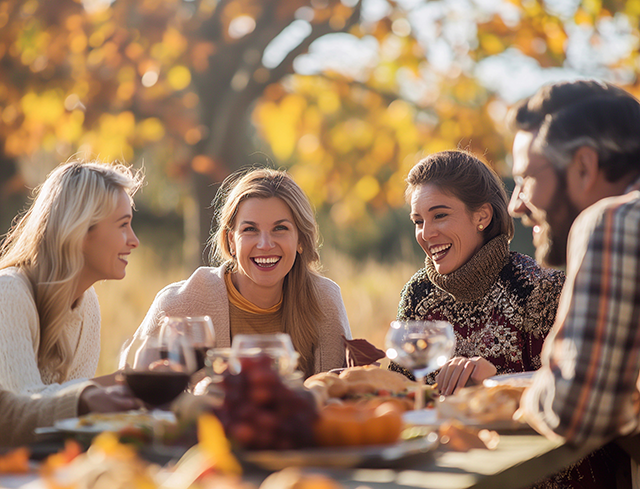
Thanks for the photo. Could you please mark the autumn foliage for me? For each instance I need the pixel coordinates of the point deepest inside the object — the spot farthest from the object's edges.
(193, 88)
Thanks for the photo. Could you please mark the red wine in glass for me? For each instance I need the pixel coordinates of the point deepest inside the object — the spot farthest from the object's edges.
(196, 330)
(156, 388)
(157, 370)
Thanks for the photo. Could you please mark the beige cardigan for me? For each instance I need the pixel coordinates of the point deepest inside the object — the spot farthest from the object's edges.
(205, 293)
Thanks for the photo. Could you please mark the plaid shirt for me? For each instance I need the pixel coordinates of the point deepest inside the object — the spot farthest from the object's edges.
(587, 387)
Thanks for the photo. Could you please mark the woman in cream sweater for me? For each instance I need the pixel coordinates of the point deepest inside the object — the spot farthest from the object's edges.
(267, 279)
(77, 231)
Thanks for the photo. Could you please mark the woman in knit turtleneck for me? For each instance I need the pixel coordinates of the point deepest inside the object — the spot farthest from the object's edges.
(500, 303)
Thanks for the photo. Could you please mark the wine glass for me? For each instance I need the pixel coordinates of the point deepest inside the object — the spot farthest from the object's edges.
(420, 346)
(277, 346)
(157, 369)
(198, 332)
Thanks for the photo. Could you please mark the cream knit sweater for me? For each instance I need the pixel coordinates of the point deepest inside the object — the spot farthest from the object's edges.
(20, 338)
(22, 414)
(205, 293)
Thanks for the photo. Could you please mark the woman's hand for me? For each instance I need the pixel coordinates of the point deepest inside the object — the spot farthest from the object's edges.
(96, 399)
(108, 380)
(460, 371)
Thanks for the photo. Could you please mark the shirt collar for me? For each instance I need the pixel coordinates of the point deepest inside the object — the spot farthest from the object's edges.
(634, 186)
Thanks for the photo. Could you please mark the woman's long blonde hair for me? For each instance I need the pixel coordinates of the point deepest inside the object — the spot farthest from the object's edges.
(46, 243)
(301, 310)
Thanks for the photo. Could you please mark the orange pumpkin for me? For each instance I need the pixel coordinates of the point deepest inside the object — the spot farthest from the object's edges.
(353, 424)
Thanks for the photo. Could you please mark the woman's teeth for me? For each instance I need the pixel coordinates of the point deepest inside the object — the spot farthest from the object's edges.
(266, 262)
(438, 251)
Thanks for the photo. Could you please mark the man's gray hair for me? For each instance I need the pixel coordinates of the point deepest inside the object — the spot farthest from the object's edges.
(566, 116)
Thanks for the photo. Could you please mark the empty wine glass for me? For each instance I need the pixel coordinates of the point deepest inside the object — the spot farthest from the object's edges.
(278, 346)
(197, 330)
(157, 369)
(420, 346)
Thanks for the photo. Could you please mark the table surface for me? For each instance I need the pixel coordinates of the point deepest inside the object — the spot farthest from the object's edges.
(520, 459)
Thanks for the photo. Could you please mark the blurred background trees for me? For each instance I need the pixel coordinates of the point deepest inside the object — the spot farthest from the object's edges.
(347, 94)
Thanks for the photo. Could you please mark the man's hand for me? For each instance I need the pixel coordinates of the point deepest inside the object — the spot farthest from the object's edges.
(460, 371)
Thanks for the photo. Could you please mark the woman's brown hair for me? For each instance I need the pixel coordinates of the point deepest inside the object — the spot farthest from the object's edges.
(464, 176)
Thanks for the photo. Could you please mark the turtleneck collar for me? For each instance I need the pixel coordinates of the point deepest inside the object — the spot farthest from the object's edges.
(472, 280)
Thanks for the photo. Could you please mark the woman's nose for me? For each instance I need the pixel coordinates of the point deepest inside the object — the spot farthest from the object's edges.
(265, 241)
(427, 233)
(133, 240)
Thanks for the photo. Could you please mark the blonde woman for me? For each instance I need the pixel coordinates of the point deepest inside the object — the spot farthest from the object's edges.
(267, 278)
(77, 231)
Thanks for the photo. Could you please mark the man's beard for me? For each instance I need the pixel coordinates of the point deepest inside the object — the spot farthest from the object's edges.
(555, 234)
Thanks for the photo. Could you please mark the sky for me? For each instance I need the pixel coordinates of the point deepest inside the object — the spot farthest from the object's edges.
(446, 29)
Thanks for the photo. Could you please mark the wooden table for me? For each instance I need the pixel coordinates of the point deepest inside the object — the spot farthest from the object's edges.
(520, 459)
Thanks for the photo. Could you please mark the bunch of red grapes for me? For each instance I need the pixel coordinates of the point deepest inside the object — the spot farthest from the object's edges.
(261, 413)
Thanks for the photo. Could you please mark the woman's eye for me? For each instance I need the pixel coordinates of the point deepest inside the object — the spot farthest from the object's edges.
(417, 223)
(281, 228)
(248, 229)
(439, 216)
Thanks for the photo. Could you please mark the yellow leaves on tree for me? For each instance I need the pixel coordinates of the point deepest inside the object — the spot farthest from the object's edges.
(280, 124)
(179, 77)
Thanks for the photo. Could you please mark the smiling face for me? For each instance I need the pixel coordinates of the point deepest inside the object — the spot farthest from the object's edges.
(445, 229)
(108, 244)
(541, 200)
(264, 240)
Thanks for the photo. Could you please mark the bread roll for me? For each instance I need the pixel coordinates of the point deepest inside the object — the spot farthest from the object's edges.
(372, 379)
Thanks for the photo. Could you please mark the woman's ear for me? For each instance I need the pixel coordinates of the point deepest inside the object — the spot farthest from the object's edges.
(484, 215)
(230, 243)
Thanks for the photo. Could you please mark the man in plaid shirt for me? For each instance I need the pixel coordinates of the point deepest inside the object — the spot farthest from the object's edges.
(576, 165)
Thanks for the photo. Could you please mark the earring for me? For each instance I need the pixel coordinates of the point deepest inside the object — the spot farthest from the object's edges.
(480, 227)
(233, 253)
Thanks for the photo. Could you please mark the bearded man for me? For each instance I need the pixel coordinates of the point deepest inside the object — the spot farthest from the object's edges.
(576, 164)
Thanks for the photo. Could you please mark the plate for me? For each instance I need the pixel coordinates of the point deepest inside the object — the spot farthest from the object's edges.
(520, 379)
(344, 457)
(429, 417)
(95, 423)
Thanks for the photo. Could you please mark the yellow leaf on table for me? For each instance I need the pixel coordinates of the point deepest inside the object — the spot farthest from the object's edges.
(214, 443)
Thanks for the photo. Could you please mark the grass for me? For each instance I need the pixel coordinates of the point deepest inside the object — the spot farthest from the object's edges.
(370, 291)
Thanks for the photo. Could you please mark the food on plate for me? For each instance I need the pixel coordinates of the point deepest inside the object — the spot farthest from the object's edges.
(460, 438)
(137, 427)
(115, 421)
(354, 424)
(366, 383)
(15, 462)
(294, 478)
(482, 404)
(109, 464)
(106, 464)
(260, 412)
(370, 379)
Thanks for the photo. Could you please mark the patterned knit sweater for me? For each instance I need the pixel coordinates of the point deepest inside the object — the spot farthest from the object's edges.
(20, 338)
(501, 305)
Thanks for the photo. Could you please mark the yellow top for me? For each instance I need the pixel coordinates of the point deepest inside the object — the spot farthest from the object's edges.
(247, 318)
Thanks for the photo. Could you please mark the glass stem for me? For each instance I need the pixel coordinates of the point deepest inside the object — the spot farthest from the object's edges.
(419, 404)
